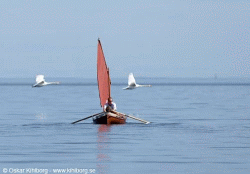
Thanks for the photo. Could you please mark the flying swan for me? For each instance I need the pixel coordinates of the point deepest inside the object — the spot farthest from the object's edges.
(41, 82)
(132, 84)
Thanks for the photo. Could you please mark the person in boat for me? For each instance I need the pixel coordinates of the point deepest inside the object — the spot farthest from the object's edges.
(110, 106)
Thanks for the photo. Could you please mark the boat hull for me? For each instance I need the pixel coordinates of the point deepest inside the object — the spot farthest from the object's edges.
(110, 118)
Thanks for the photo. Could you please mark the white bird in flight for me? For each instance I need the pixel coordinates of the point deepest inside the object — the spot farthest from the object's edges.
(41, 82)
(132, 84)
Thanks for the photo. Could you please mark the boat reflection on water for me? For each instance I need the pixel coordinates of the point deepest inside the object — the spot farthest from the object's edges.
(103, 147)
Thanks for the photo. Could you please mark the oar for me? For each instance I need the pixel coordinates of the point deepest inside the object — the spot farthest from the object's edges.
(86, 118)
(135, 118)
(139, 119)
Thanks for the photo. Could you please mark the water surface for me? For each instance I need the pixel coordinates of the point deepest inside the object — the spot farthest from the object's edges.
(197, 126)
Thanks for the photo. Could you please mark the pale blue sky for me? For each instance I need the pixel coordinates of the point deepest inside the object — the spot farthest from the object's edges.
(163, 38)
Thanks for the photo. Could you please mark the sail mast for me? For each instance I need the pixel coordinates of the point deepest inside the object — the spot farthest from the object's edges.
(109, 84)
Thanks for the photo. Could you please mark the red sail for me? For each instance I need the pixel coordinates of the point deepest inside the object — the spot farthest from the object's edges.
(102, 76)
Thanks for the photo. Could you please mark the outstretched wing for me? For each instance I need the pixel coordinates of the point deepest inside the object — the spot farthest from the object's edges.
(128, 87)
(131, 80)
(40, 78)
(40, 84)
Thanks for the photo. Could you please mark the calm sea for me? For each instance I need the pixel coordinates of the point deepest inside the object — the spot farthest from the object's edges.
(197, 126)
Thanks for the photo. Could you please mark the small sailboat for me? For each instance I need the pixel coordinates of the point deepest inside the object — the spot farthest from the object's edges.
(104, 87)
(40, 81)
(132, 83)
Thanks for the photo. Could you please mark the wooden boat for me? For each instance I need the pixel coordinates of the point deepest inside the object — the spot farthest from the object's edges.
(104, 87)
(110, 118)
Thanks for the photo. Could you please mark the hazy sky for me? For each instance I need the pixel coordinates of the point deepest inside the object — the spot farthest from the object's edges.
(177, 38)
